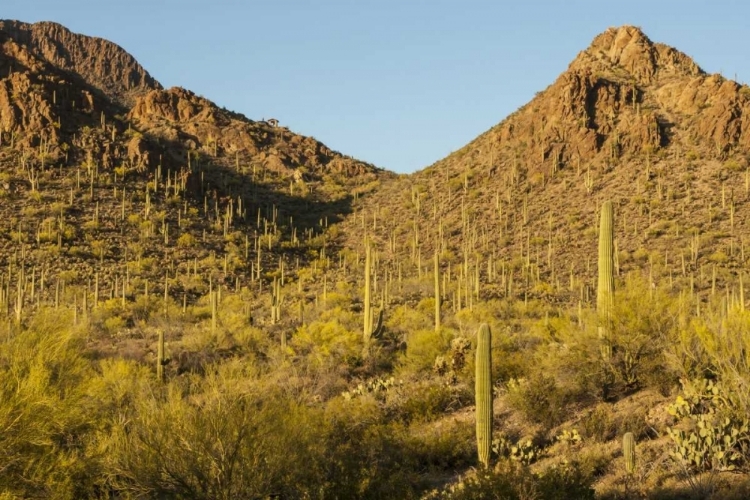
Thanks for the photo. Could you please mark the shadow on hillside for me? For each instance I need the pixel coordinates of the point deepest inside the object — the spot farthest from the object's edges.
(722, 487)
(217, 184)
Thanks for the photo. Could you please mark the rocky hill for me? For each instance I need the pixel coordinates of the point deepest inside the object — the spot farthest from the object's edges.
(630, 120)
(202, 305)
(100, 63)
(100, 165)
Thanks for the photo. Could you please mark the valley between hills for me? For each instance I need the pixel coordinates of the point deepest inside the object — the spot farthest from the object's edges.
(197, 304)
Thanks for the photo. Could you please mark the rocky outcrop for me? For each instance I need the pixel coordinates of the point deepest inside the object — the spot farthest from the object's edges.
(87, 96)
(195, 123)
(175, 105)
(102, 64)
(629, 49)
(622, 97)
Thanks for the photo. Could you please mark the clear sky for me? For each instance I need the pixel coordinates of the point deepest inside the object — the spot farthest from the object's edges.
(398, 83)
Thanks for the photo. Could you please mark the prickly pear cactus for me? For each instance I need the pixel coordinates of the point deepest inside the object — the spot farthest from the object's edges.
(710, 430)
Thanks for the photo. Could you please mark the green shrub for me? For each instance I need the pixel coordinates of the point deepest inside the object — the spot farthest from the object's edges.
(514, 482)
(422, 347)
(598, 424)
(45, 414)
(540, 399)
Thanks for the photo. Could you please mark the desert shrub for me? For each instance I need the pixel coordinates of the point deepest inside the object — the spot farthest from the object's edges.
(227, 443)
(444, 447)
(405, 319)
(513, 482)
(328, 342)
(716, 345)
(539, 398)
(598, 423)
(368, 455)
(422, 347)
(429, 401)
(45, 414)
(645, 321)
(186, 240)
(113, 324)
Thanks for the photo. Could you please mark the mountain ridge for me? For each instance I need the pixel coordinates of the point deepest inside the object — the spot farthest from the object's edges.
(103, 64)
(166, 264)
(630, 120)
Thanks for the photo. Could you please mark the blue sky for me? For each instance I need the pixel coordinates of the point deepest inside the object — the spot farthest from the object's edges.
(400, 84)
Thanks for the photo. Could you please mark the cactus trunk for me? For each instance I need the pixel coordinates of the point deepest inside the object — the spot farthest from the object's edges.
(214, 310)
(367, 311)
(606, 285)
(628, 451)
(160, 357)
(437, 292)
(483, 394)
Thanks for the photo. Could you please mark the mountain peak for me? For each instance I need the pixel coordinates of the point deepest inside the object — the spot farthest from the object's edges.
(622, 101)
(102, 64)
(628, 52)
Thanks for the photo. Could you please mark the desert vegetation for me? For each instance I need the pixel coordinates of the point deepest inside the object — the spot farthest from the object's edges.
(197, 305)
(646, 397)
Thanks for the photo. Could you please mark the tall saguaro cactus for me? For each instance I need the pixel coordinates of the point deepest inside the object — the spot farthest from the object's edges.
(437, 292)
(160, 357)
(605, 297)
(367, 305)
(628, 451)
(483, 394)
(214, 310)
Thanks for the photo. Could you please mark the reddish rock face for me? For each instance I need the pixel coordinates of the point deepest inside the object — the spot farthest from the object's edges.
(102, 64)
(60, 91)
(622, 97)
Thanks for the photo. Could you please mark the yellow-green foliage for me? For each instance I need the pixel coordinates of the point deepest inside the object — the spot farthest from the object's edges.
(280, 438)
(328, 342)
(719, 345)
(422, 347)
(45, 412)
(186, 240)
(73, 426)
(405, 319)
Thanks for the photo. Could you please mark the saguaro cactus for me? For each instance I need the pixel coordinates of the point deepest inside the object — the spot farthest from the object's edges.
(437, 292)
(605, 297)
(214, 310)
(276, 302)
(628, 451)
(160, 357)
(367, 310)
(483, 394)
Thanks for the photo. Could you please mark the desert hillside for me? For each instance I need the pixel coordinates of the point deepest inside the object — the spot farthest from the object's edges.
(198, 304)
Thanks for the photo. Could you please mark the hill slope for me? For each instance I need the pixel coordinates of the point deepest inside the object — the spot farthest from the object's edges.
(630, 120)
(183, 289)
(101, 166)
